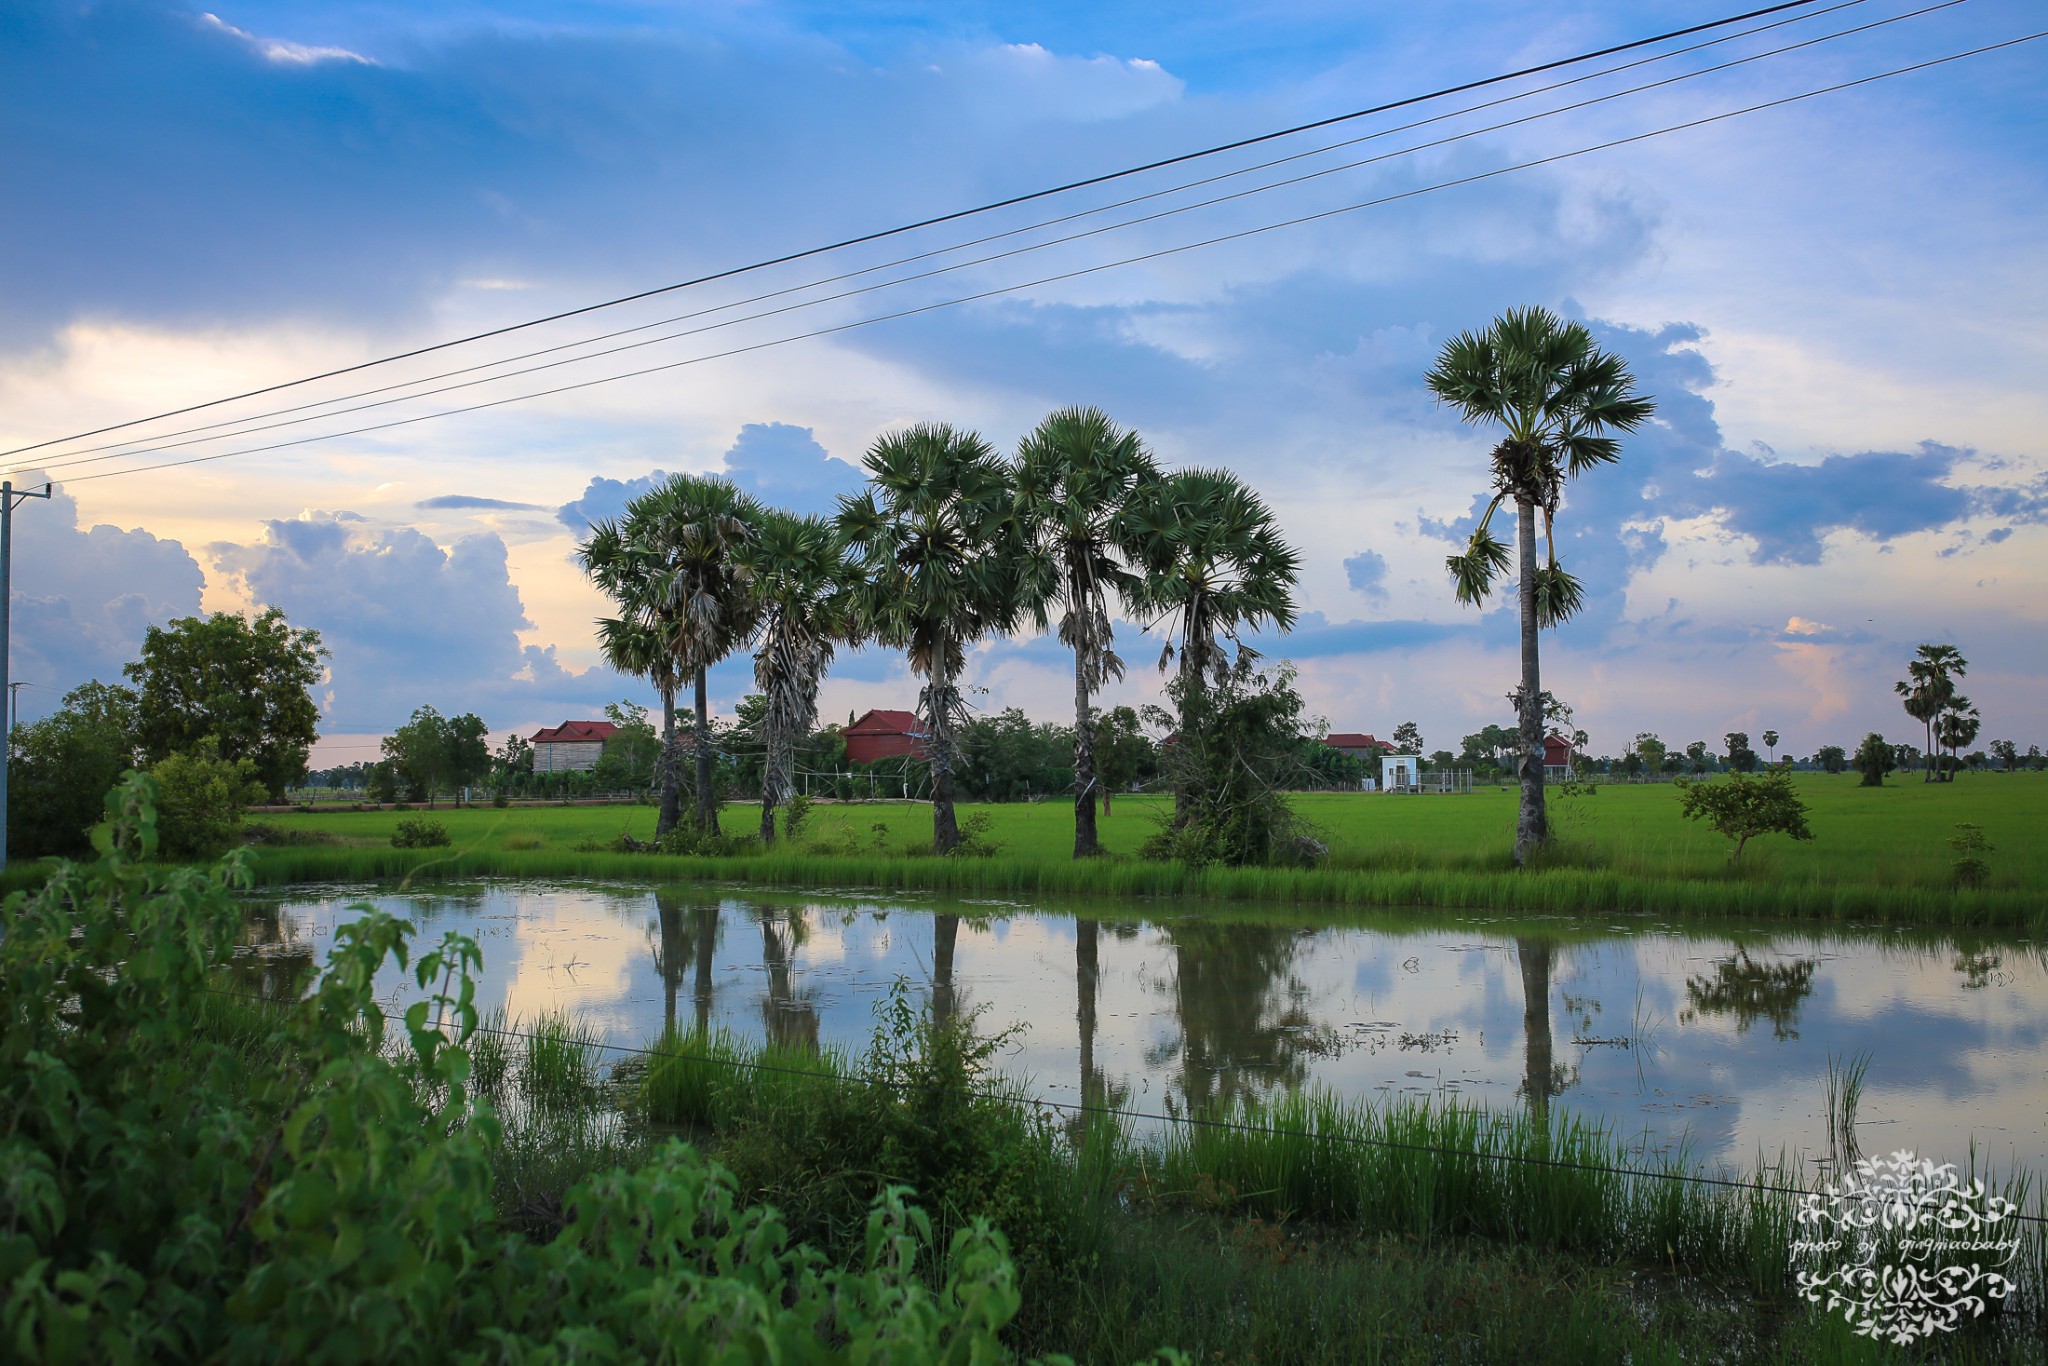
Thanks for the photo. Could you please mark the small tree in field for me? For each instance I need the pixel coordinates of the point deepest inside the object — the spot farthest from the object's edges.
(1743, 807)
(1874, 758)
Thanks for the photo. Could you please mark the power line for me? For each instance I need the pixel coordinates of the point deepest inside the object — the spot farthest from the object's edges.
(128, 446)
(1083, 271)
(954, 216)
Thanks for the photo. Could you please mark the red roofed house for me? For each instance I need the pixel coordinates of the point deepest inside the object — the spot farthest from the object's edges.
(1557, 759)
(883, 735)
(1355, 745)
(571, 747)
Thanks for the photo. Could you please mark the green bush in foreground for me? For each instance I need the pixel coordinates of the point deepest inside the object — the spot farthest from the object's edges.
(177, 1187)
(419, 833)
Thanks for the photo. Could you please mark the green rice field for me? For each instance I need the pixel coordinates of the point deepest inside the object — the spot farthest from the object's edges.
(1877, 853)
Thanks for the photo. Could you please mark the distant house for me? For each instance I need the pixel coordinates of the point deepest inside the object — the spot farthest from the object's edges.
(1557, 759)
(571, 747)
(884, 735)
(1354, 745)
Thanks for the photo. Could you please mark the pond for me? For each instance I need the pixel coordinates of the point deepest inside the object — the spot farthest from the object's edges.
(1712, 1040)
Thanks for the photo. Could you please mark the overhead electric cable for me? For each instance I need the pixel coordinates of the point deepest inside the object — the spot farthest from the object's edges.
(953, 216)
(243, 426)
(1087, 270)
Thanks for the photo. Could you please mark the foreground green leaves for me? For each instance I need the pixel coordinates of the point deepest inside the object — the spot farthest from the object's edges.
(185, 1175)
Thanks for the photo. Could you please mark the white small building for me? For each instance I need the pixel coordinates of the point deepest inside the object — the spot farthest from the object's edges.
(1400, 772)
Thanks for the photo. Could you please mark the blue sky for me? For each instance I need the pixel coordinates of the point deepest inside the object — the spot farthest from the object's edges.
(1836, 303)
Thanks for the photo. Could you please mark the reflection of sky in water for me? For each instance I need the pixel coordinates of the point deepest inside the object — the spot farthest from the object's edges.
(1672, 1038)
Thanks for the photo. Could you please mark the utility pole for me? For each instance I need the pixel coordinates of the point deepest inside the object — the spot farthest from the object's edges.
(14, 705)
(10, 496)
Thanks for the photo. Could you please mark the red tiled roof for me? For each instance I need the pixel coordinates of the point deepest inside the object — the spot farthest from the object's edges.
(1351, 739)
(572, 731)
(885, 723)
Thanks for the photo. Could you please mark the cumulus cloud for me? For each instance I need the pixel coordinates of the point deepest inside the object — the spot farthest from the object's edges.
(782, 465)
(408, 622)
(84, 596)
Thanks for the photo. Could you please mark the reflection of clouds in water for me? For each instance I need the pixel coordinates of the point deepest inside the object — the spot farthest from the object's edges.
(1225, 1007)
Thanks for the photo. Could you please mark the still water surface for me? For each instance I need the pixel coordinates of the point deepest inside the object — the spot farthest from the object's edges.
(1715, 1041)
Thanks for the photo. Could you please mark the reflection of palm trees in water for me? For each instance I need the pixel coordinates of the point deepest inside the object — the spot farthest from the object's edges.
(689, 937)
(790, 1015)
(1096, 1092)
(945, 1001)
(1539, 1072)
(1245, 1029)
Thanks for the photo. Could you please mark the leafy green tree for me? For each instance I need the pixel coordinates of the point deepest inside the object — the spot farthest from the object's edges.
(1743, 807)
(200, 800)
(247, 683)
(809, 602)
(940, 546)
(675, 567)
(61, 766)
(1741, 758)
(632, 752)
(1558, 399)
(380, 782)
(1007, 758)
(433, 753)
(1697, 758)
(1771, 746)
(1235, 752)
(2007, 753)
(1124, 754)
(1651, 750)
(1929, 684)
(1874, 758)
(1831, 758)
(1077, 475)
(1213, 565)
(512, 765)
(1489, 745)
(1408, 738)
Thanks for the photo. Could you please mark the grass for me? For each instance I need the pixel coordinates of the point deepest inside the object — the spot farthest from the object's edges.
(1878, 854)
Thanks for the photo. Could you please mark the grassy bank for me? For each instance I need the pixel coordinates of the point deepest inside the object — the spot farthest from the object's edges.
(1317, 1230)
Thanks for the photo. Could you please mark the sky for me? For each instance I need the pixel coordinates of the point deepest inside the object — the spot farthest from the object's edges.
(1835, 302)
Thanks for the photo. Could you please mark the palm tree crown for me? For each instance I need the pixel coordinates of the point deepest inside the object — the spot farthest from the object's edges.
(1214, 564)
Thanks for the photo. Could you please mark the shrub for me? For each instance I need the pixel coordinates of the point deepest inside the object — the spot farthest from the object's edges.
(798, 815)
(1970, 846)
(974, 836)
(1742, 807)
(177, 1192)
(1874, 758)
(524, 840)
(419, 833)
(200, 801)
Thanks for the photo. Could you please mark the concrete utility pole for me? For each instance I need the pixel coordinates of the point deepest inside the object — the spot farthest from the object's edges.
(9, 497)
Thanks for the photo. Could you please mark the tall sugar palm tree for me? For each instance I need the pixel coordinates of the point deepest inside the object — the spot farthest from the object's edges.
(1927, 689)
(809, 601)
(1076, 475)
(1213, 564)
(1558, 400)
(939, 544)
(673, 565)
(1960, 722)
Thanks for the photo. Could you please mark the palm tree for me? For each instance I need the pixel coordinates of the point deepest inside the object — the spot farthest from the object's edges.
(1076, 474)
(808, 596)
(1558, 398)
(940, 548)
(673, 565)
(1214, 565)
(1929, 685)
(1960, 723)
(1771, 746)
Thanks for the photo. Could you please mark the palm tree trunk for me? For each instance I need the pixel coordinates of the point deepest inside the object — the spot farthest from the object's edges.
(707, 948)
(1531, 830)
(707, 818)
(939, 726)
(671, 768)
(1927, 762)
(1085, 845)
